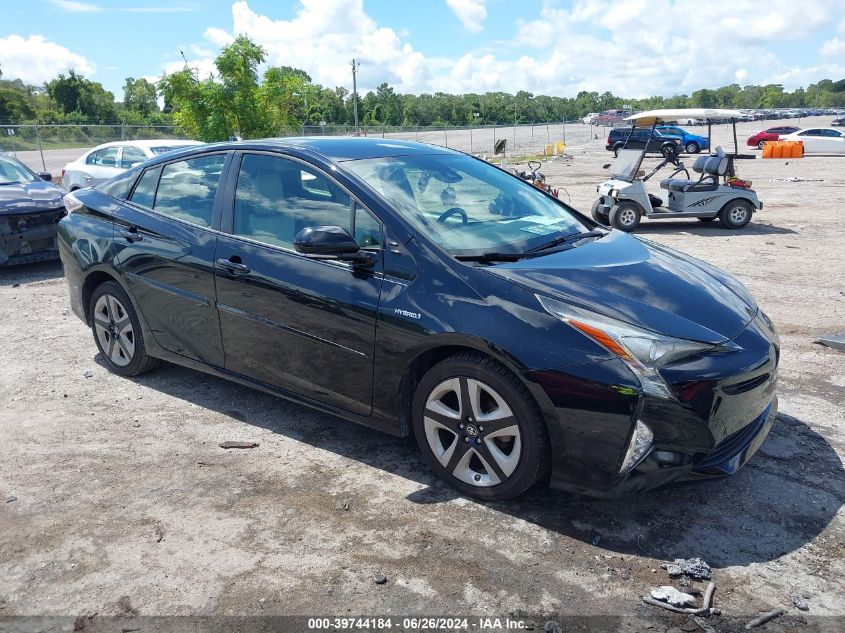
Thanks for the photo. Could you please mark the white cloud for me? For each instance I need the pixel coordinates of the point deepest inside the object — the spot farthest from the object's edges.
(76, 7)
(36, 60)
(471, 13)
(634, 48)
(833, 47)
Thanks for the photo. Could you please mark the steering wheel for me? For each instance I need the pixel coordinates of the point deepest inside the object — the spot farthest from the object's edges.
(448, 213)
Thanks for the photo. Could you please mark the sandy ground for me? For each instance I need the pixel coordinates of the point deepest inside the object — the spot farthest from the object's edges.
(116, 500)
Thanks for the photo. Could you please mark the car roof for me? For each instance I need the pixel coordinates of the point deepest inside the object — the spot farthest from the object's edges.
(333, 148)
(158, 142)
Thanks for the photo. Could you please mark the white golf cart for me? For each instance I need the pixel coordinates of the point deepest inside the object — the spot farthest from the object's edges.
(715, 192)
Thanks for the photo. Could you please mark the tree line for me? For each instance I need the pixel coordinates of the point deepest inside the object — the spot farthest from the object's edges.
(241, 101)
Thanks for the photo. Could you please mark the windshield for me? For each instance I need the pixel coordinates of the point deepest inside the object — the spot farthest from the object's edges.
(467, 206)
(12, 172)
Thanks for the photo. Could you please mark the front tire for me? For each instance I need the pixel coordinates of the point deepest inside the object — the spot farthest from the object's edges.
(625, 216)
(479, 429)
(117, 331)
(760, 144)
(736, 214)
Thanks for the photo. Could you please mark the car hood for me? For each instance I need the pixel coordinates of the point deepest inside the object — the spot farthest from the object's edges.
(642, 283)
(28, 197)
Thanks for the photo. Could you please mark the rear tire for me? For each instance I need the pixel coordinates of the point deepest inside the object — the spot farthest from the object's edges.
(117, 331)
(625, 216)
(599, 217)
(479, 429)
(616, 149)
(669, 150)
(736, 214)
(692, 148)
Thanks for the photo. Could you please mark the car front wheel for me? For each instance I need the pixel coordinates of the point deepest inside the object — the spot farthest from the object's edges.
(117, 331)
(625, 216)
(479, 429)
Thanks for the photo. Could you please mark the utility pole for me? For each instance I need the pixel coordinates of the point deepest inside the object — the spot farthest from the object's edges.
(355, 66)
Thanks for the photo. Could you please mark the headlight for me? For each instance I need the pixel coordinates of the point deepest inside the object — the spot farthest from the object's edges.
(643, 351)
(638, 447)
(71, 203)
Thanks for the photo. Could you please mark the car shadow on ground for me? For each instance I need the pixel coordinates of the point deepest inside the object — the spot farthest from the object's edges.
(707, 229)
(28, 273)
(783, 499)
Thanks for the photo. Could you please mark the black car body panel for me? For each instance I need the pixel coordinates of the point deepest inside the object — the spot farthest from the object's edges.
(353, 341)
(29, 212)
(641, 138)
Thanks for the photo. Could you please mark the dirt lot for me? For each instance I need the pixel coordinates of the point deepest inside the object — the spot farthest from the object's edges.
(116, 500)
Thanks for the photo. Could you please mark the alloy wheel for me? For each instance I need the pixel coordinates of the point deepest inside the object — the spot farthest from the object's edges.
(114, 330)
(738, 214)
(472, 431)
(627, 216)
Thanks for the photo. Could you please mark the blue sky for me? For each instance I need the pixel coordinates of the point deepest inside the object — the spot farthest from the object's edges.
(630, 47)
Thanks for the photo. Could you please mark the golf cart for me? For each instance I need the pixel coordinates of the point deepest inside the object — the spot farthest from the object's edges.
(714, 192)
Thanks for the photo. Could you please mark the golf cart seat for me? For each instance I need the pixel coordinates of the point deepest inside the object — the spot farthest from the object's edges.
(710, 168)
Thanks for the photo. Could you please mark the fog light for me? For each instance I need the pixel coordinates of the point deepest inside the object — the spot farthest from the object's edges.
(638, 448)
(670, 458)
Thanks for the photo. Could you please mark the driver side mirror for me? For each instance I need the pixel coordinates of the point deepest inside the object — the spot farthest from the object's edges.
(331, 242)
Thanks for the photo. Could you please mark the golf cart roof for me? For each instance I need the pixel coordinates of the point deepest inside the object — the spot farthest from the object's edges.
(650, 117)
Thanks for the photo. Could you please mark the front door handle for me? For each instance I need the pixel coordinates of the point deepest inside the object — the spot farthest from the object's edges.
(131, 235)
(236, 268)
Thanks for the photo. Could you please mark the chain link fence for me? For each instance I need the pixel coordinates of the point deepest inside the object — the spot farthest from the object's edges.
(527, 139)
(36, 144)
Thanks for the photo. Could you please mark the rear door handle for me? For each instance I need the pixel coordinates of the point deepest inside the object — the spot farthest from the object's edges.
(131, 235)
(236, 268)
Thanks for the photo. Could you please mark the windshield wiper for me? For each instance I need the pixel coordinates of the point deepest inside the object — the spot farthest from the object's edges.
(563, 239)
(491, 257)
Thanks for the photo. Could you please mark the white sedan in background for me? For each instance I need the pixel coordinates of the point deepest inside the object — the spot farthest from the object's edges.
(819, 140)
(109, 159)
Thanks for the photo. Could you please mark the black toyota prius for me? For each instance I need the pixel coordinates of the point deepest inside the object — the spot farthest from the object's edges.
(418, 290)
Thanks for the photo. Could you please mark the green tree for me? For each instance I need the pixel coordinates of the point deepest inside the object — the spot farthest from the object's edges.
(139, 95)
(74, 93)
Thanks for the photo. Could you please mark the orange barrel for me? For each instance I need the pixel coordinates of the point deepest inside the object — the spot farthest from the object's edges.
(797, 149)
(767, 149)
(777, 150)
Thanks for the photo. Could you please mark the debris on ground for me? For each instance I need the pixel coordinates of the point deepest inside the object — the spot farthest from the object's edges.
(836, 341)
(665, 593)
(692, 567)
(11, 498)
(796, 179)
(236, 444)
(702, 624)
(771, 615)
(379, 578)
(159, 532)
(706, 607)
(596, 539)
(89, 373)
(345, 505)
(799, 602)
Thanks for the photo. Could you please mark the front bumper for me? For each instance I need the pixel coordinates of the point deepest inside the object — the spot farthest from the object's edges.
(723, 409)
(27, 238)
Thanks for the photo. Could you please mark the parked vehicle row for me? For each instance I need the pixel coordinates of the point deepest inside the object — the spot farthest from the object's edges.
(817, 140)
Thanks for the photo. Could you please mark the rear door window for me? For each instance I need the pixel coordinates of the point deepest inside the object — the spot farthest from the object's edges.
(132, 156)
(106, 157)
(145, 191)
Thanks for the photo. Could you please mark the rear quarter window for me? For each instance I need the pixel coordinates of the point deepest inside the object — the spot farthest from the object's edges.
(119, 186)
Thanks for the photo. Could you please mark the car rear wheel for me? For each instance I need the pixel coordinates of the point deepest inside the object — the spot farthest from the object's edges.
(617, 148)
(597, 215)
(736, 214)
(117, 331)
(669, 150)
(625, 216)
(479, 429)
(693, 148)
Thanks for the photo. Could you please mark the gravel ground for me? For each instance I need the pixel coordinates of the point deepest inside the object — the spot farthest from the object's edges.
(115, 498)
